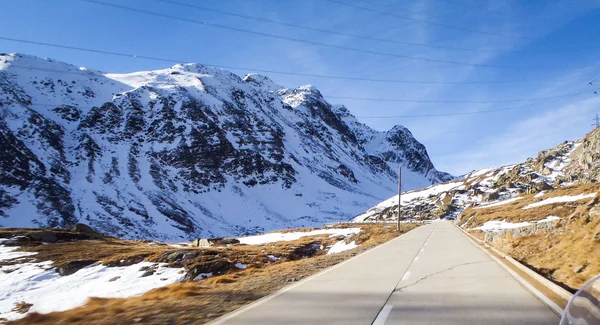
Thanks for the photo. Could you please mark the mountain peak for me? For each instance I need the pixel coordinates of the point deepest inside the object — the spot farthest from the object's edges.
(262, 82)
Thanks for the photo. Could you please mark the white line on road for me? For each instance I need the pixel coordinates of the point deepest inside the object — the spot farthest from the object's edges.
(406, 275)
(383, 315)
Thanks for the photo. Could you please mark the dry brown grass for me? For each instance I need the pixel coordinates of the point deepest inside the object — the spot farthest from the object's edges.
(569, 254)
(22, 307)
(198, 302)
(513, 212)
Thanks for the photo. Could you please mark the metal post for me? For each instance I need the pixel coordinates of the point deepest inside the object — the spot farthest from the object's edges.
(399, 191)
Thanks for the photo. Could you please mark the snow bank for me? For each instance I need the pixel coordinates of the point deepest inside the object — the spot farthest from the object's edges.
(495, 225)
(539, 195)
(8, 253)
(498, 203)
(39, 284)
(341, 246)
(560, 199)
(499, 225)
(289, 236)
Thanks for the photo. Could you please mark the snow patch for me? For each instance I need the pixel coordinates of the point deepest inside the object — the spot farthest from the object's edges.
(495, 225)
(289, 236)
(341, 246)
(498, 203)
(560, 199)
(39, 284)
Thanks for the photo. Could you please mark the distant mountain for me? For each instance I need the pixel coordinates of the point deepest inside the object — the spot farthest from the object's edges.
(186, 151)
(568, 164)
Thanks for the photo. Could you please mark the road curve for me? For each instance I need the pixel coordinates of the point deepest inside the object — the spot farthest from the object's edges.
(431, 275)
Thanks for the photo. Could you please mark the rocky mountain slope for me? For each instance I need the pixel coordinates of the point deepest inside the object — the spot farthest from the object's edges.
(568, 164)
(544, 212)
(186, 151)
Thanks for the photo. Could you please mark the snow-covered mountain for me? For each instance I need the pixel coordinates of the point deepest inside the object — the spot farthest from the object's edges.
(567, 164)
(186, 151)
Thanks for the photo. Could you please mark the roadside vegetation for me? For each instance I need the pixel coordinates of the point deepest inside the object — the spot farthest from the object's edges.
(565, 250)
(218, 279)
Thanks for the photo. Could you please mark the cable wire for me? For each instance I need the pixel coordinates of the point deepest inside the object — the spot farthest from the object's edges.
(145, 57)
(428, 22)
(339, 47)
(326, 31)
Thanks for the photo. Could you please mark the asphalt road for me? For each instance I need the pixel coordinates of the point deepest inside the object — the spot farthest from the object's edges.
(431, 275)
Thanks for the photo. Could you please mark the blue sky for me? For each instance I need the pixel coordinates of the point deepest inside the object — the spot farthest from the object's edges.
(555, 45)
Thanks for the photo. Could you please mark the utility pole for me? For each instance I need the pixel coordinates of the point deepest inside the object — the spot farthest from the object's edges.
(399, 193)
(597, 119)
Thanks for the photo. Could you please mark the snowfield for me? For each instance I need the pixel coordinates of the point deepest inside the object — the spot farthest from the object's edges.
(41, 285)
(560, 199)
(289, 236)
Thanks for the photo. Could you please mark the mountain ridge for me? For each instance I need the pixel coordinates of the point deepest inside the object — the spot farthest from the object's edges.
(187, 151)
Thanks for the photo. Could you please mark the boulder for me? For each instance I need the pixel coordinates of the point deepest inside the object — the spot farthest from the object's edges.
(73, 266)
(45, 236)
(216, 267)
(493, 196)
(226, 241)
(83, 228)
(541, 186)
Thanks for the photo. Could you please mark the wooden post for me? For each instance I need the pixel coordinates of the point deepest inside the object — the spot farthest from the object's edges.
(399, 191)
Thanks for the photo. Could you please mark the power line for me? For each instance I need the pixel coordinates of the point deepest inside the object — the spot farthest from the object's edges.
(428, 22)
(450, 114)
(454, 101)
(362, 98)
(478, 7)
(326, 31)
(145, 57)
(339, 47)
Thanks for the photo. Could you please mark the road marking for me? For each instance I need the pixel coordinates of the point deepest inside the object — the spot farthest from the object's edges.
(405, 277)
(263, 300)
(416, 258)
(383, 315)
(422, 249)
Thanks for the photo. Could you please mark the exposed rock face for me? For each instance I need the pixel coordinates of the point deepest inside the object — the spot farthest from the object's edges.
(585, 160)
(186, 152)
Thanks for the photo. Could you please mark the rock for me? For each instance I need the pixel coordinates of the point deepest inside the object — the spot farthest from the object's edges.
(541, 186)
(189, 256)
(148, 273)
(216, 267)
(173, 256)
(227, 241)
(580, 268)
(493, 196)
(113, 279)
(21, 241)
(73, 266)
(83, 228)
(45, 236)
